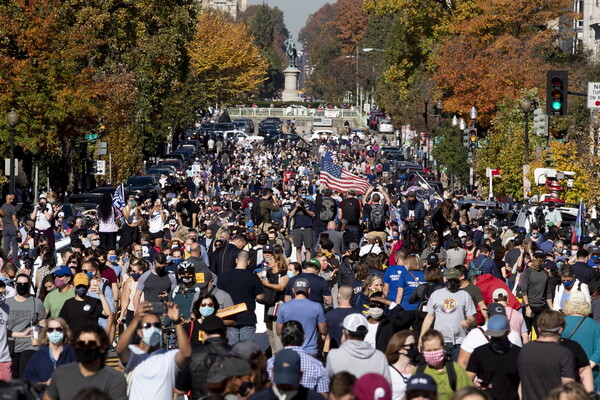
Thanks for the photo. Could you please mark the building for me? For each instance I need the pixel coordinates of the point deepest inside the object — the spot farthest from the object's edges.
(232, 7)
(590, 10)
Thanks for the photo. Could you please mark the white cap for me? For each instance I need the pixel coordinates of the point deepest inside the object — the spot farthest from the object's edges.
(353, 321)
(498, 292)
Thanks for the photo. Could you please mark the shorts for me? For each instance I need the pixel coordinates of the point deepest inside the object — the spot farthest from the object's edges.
(159, 235)
(5, 371)
(303, 236)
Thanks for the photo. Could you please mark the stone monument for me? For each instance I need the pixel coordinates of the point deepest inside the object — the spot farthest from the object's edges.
(290, 92)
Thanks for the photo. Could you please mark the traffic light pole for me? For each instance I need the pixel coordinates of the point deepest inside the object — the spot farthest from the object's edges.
(526, 137)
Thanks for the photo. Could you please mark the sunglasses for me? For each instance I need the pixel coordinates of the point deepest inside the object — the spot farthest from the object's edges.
(147, 325)
(55, 330)
(207, 305)
(91, 343)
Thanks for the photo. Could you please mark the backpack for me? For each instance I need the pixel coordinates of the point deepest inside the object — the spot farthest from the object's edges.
(327, 212)
(350, 211)
(377, 218)
(421, 309)
(476, 270)
(255, 214)
(449, 370)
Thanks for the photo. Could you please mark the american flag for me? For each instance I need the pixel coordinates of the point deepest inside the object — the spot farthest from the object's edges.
(337, 178)
(119, 199)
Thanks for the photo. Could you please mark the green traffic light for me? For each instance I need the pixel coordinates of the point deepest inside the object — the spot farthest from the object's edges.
(556, 105)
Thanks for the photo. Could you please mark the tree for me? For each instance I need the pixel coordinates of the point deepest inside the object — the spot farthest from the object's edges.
(450, 153)
(224, 59)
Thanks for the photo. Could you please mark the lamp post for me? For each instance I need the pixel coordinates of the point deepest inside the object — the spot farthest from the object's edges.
(526, 105)
(473, 116)
(13, 121)
(462, 125)
(454, 120)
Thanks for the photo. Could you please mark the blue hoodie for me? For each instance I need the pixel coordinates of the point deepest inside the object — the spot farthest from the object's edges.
(40, 367)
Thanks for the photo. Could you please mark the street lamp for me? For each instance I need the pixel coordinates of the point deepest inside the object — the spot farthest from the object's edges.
(454, 120)
(439, 106)
(13, 121)
(526, 108)
(473, 114)
(369, 49)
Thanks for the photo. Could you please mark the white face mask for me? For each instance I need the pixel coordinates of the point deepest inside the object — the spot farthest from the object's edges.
(151, 336)
(376, 312)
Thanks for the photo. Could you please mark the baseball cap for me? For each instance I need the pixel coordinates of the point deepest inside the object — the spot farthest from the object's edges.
(63, 270)
(263, 238)
(354, 321)
(81, 279)
(422, 382)
(549, 264)
(313, 262)
(496, 309)
(232, 366)
(353, 246)
(451, 273)
(497, 325)
(211, 324)
(372, 387)
(595, 250)
(539, 254)
(245, 349)
(500, 292)
(268, 248)
(433, 259)
(203, 276)
(301, 285)
(518, 240)
(286, 368)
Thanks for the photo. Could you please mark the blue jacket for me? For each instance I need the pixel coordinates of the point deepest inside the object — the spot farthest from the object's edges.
(419, 212)
(40, 367)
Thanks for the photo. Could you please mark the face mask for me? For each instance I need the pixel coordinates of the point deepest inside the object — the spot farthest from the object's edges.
(535, 235)
(112, 258)
(395, 237)
(95, 243)
(2, 298)
(187, 248)
(290, 274)
(161, 271)
(176, 261)
(86, 354)
(500, 345)
(136, 276)
(568, 284)
(595, 259)
(187, 279)
(169, 259)
(151, 336)
(206, 311)
(23, 290)
(244, 389)
(81, 291)
(125, 260)
(90, 275)
(376, 312)
(55, 337)
(434, 358)
(469, 247)
(59, 283)
(412, 352)
(452, 285)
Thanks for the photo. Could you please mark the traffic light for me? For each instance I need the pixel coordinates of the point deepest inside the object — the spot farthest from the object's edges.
(472, 137)
(465, 138)
(102, 128)
(557, 86)
(540, 123)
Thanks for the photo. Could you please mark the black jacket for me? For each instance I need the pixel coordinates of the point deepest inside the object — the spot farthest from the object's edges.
(224, 258)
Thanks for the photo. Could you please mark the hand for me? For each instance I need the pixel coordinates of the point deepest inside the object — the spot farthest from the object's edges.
(143, 308)
(381, 300)
(528, 312)
(173, 311)
(27, 332)
(163, 295)
(464, 324)
(479, 383)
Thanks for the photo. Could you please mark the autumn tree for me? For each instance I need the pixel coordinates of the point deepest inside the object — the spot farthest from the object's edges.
(224, 59)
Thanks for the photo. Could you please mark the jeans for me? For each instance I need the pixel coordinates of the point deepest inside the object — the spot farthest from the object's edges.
(356, 233)
(11, 241)
(240, 334)
(452, 351)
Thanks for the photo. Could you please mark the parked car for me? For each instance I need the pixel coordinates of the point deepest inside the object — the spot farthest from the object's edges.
(385, 126)
(247, 121)
(143, 186)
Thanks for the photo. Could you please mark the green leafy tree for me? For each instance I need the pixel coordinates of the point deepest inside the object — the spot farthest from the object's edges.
(450, 153)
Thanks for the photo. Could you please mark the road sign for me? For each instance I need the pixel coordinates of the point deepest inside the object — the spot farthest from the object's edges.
(493, 172)
(100, 167)
(102, 145)
(593, 97)
(91, 136)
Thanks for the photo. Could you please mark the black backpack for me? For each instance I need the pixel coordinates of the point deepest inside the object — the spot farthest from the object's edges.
(377, 218)
(350, 211)
(327, 212)
(255, 214)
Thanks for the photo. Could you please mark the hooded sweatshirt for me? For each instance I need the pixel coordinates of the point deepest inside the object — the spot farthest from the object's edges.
(358, 358)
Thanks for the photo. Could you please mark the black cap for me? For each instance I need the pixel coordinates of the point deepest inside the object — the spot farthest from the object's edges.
(268, 248)
(433, 259)
(212, 324)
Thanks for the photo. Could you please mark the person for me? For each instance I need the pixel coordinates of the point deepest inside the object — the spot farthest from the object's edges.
(137, 268)
(314, 376)
(448, 375)
(230, 379)
(308, 313)
(91, 347)
(401, 353)
(515, 318)
(372, 386)
(319, 289)
(373, 284)
(43, 215)
(544, 364)
(408, 283)
(302, 222)
(474, 292)
(155, 283)
(350, 209)
(55, 350)
(156, 222)
(376, 210)
(287, 375)
(183, 294)
(354, 354)
(107, 227)
(224, 258)
(244, 287)
(5, 357)
(91, 269)
(10, 229)
(187, 211)
(434, 280)
(25, 312)
(421, 387)
(450, 311)
(335, 317)
(471, 393)
(455, 255)
(570, 285)
(153, 369)
(583, 330)
(412, 211)
(213, 349)
(483, 264)
(536, 291)
(341, 387)
(325, 207)
(82, 309)
(583, 272)
(393, 274)
(8, 273)
(551, 214)
(65, 290)
(571, 390)
(495, 362)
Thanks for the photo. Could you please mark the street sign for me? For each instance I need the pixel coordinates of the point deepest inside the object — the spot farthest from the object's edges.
(493, 172)
(7, 167)
(102, 145)
(593, 97)
(91, 136)
(100, 167)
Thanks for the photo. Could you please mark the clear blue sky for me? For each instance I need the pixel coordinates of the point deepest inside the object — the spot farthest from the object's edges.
(295, 12)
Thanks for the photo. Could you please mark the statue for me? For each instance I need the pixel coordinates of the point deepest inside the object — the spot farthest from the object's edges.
(290, 51)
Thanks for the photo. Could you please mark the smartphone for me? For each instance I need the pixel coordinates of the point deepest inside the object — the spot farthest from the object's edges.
(158, 308)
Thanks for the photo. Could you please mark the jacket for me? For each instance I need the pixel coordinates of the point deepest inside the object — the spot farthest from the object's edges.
(487, 283)
(419, 212)
(40, 367)
(358, 358)
(560, 290)
(397, 319)
(203, 357)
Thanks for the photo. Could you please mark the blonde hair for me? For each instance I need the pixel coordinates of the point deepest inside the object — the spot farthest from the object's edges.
(66, 332)
(412, 263)
(369, 281)
(572, 308)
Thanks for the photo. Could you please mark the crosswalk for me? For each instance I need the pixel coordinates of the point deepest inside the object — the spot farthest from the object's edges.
(113, 361)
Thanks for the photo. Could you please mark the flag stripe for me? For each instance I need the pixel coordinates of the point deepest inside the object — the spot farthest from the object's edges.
(337, 178)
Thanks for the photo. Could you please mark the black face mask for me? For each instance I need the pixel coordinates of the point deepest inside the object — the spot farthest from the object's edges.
(23, 289)
(452, 285)
(161, 271)
(86, 354)
(500, 345)
(412, 352)
(244, 389)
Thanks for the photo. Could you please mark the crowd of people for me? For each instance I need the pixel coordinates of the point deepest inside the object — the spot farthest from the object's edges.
(377, 295)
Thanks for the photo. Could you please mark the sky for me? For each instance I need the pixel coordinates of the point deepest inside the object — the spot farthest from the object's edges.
(295, 12)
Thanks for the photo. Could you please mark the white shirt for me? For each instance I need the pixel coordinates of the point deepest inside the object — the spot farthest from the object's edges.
(398, 384)
(476, 338)
(371, 334)
(153, 375)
